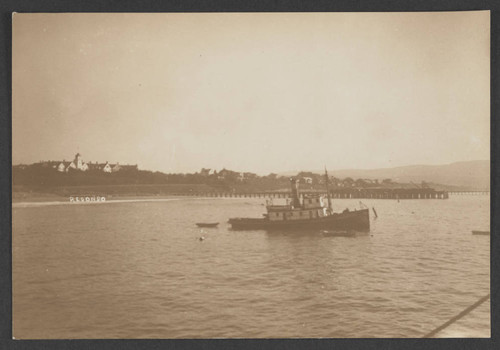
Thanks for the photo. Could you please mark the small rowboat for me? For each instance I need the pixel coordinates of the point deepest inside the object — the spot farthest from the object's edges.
(484, 233)
(207, 224)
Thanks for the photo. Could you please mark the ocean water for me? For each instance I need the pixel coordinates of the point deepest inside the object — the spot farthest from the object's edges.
(139, 270)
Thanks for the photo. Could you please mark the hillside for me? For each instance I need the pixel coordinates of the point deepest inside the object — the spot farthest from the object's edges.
(472, 174)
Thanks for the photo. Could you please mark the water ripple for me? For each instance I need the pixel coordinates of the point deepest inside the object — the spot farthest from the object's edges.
(138, 270)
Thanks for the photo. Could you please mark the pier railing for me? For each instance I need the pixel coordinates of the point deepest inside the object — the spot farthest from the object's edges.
(470, 193)
(343, 193)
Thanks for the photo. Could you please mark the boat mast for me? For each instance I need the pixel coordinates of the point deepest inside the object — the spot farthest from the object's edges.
(327, 190)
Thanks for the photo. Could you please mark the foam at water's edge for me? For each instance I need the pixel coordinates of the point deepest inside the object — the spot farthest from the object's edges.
(41, 204)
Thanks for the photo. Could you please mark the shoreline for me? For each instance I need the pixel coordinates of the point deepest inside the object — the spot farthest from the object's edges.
(111, 201)
(24, 200)
(59, 200)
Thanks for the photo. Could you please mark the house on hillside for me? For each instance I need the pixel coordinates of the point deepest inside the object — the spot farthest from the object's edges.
(128, 167)
(249, 176)
(348, 182)
(78, 164)
(119, 167)
(228, 175)
(204, 172)
(307, 180)
(222, 174)
(94, 166)
(63, 166)
(106, 167)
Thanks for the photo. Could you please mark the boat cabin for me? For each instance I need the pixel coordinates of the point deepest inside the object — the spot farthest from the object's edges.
(311, 207)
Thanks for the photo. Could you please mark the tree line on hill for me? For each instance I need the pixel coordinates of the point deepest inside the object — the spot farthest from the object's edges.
(41, 177)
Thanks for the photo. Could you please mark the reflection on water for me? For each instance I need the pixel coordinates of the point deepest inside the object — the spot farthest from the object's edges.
(139, 270)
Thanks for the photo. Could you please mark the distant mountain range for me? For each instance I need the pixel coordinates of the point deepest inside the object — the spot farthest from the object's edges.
(471, 174)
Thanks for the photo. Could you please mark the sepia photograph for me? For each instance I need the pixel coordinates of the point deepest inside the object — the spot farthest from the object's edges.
(251, 175)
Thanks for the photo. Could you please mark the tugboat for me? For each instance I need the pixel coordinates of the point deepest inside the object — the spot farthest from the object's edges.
(311, 213)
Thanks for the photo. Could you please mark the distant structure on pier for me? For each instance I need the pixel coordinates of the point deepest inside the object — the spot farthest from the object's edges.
(79, 165)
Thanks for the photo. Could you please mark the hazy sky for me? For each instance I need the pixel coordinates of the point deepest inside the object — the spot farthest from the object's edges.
(252, 92)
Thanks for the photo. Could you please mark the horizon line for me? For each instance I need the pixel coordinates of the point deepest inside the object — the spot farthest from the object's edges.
(280, 172)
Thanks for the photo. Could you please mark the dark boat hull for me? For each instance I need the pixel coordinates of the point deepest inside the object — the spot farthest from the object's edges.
(481, 233)
(202, 224)
(353, 220)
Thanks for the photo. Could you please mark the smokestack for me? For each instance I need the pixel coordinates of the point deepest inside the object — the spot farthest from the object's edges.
(328, 190)
(295, 192)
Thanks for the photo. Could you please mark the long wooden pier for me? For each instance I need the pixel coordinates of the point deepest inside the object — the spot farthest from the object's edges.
(470, 193)
(401, 193)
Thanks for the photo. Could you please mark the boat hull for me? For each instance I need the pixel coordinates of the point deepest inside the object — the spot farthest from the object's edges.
(353, 220)
(481, 233)
(202, 224)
